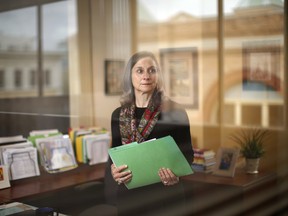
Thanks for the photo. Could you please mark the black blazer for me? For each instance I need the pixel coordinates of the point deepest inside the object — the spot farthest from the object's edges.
(173, 121)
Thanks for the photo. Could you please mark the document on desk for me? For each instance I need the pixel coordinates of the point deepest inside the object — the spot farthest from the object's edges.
(145, 159)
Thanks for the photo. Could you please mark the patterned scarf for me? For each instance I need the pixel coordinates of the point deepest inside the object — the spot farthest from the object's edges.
(128, 122)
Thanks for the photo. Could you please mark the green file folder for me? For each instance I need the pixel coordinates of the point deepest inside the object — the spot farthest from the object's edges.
(145, 160)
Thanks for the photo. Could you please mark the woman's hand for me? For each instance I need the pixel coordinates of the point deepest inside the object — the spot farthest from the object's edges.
(167, 176)
(119, 175)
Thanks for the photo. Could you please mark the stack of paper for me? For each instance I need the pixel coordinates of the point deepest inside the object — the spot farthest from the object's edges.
(37, 134)
(145, 159)
(95, 148)
(9, 142)
(75, 132)
(91, 145)
(56, 154)
(44, 132)
(20, 156)
(55, 150)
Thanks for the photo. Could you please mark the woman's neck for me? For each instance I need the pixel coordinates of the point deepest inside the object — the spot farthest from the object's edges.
(142, 100)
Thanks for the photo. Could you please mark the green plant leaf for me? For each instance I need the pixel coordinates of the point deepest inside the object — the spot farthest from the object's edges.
(251, 142)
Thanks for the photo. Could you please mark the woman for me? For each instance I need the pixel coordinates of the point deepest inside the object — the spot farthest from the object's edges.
(144, 114)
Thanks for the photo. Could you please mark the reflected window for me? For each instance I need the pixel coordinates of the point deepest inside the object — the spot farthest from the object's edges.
(19, 38)
(253, 65)
(183, 35)
(18, 78)
(18, 47)
(47, 77)
(32, 78)
(34, 55)
(55, 48)
(2, 78)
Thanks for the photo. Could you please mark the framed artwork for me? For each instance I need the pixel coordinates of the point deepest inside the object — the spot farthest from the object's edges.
(180, 71)
(261, 66)
(4, 177)
(114, 70)
(226, 161)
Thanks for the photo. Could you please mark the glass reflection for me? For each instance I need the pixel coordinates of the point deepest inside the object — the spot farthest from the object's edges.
(253, 63)
(184, 36)
(18, 57)
(55, 48)
(20, 68)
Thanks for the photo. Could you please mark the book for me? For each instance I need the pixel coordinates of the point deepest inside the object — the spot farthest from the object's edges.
(204, 160)
(145, 159)
(204, 153)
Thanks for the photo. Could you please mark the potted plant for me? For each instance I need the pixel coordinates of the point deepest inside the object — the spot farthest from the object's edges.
(251, 147)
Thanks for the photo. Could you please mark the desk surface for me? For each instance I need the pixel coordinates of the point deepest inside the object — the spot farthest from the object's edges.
(227, 195)
(47, 182)
(241, 178)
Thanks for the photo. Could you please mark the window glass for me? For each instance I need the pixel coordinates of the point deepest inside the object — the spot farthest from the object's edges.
(253, 63)
(47, 78)
(183, 34)
(55, 48)
(2, 78)
(33, 56)
(18, 45)
(32, 77)
(18, 78)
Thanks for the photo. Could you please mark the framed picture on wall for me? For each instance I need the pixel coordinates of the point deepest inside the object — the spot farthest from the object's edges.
(180, 71)
(261, 66)
(114, 70)
(226, 159)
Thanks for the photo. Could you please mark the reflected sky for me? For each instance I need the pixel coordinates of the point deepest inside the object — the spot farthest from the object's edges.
(162, 10)
(22, 23)
(16, 22)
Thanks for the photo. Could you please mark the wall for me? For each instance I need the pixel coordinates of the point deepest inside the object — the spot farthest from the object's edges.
(111, 40)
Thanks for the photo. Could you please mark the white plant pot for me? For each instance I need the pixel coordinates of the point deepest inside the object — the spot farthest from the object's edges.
(252, 165)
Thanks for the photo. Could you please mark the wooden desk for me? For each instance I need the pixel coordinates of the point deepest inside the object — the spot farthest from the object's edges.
(47, 182)
(217, 195)
(206, 194)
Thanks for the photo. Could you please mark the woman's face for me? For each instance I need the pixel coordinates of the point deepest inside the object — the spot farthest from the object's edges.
(144, 76)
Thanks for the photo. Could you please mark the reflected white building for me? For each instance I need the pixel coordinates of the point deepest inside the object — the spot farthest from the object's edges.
(19, 65)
